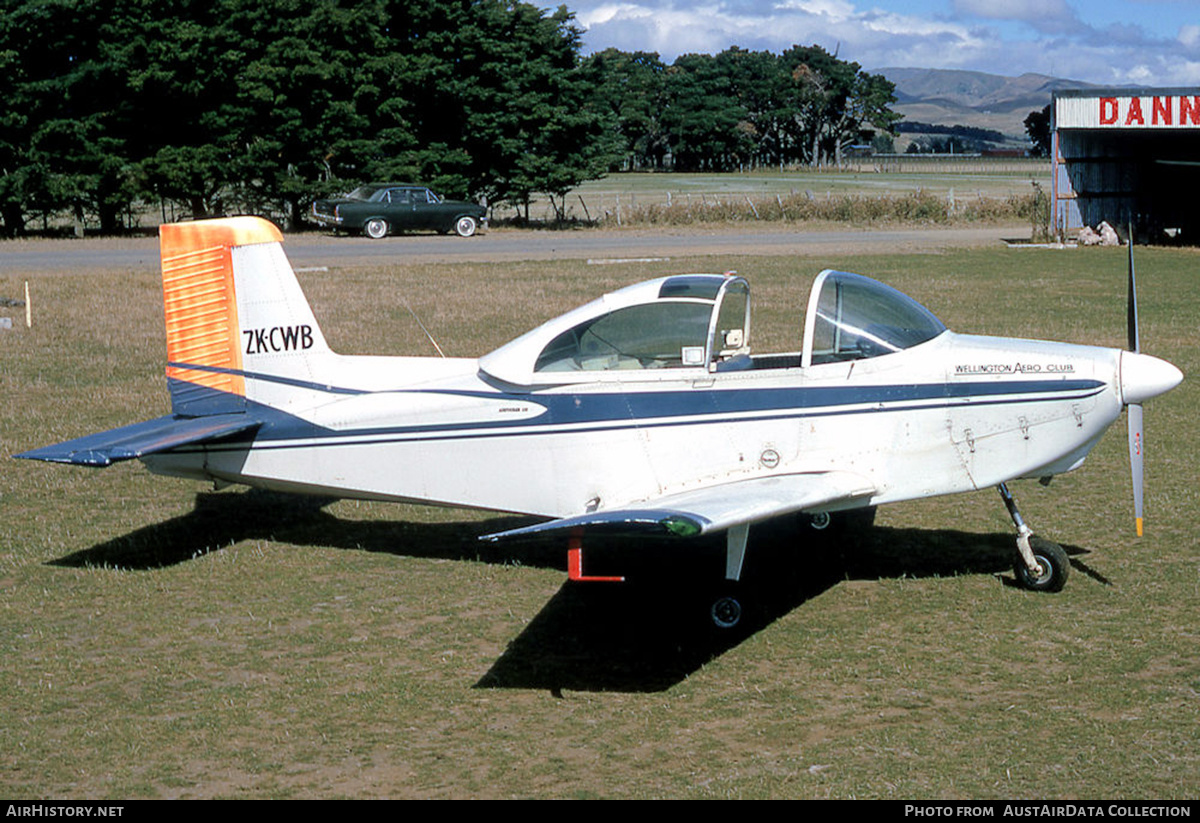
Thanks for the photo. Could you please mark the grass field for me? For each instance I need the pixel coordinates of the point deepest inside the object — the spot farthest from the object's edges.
(1012, 177)
(963, 181)
(161, 639)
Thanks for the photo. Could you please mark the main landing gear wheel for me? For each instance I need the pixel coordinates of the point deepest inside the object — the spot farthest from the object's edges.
(820, 521)
(376, 229)
(1054, 567)
(726, 611)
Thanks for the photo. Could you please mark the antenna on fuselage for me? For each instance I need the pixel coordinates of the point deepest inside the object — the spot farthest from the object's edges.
(422, 325)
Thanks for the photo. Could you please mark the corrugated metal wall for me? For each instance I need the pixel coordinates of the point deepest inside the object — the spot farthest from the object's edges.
(1101, 171)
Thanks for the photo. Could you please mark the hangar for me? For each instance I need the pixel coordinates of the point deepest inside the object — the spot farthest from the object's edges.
(1126, 153)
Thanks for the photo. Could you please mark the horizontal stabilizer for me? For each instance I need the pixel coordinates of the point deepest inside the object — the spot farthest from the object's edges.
(140, 439)
(716, 508)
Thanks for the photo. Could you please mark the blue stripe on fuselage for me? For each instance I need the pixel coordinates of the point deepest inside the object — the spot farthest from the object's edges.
(649, 409)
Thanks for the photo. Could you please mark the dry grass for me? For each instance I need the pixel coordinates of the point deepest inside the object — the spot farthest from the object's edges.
(856, 209)
(942, 193)
(161, 640)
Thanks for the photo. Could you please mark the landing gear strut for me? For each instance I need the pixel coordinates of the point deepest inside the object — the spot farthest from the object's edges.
(726, 610)
(1041, 565)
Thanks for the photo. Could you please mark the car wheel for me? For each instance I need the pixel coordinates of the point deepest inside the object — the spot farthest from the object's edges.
(465, 226)
(376, 228)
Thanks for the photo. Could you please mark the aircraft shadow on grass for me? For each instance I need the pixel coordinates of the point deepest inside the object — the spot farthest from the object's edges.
(643, 635)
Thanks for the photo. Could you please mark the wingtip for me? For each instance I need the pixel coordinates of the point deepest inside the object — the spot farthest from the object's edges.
(70, 457)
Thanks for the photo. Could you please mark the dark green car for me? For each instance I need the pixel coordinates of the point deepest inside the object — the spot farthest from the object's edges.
(380, 209)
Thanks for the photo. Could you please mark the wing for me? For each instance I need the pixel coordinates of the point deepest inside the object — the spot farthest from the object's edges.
(715, 508)
(140, 439)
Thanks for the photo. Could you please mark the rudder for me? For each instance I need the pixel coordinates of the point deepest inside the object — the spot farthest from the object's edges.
(234, 312)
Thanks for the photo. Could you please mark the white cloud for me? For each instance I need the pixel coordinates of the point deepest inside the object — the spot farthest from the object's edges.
(1008, 37)
(1047, 16)
(672, 31)
(834, 9)
(608, 12)
(676, 28)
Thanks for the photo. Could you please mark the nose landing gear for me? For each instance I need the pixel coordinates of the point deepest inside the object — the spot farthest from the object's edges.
(1041, 565)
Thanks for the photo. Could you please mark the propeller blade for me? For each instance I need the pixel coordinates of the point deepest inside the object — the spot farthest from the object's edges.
(1136, 457)
(1131, 300)
(1136, 441)
(1142, 377)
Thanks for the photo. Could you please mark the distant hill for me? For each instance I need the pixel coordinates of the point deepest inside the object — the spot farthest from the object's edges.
(949, 97)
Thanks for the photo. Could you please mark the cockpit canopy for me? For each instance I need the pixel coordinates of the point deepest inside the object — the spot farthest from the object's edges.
(702, 321)
(851, 317)
(686, 321)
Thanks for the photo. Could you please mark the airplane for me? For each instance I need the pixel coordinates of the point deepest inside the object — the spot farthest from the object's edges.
(643, 412)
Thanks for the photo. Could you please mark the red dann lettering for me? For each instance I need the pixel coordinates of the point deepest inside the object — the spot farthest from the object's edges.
(1108, 110)
(1189, 112)
(1135, 112)
(1164, 111)
(1161, 113)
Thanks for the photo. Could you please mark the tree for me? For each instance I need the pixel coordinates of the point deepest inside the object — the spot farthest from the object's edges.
(630, 92)
(883, 144)
(19, 178)
(261, 105)
(58, 143)
(1037, 126)
(532, 123)
(838, 103)
(703, 116)
(742, 108)
(484, 98)
(300, 97)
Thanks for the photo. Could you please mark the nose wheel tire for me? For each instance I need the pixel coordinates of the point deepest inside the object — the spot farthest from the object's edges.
(1054, 563)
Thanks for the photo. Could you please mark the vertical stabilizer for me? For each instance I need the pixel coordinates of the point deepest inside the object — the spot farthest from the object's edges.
(235, 316)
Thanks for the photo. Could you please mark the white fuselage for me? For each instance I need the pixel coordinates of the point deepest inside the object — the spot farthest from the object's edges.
(953, 414)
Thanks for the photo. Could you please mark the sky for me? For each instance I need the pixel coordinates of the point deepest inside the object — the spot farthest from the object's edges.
(1109, 42)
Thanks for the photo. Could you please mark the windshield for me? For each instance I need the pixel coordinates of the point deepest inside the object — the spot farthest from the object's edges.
(731, 332)
(854, 317)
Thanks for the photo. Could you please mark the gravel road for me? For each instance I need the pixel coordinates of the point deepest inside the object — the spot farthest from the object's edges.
(67, 257)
